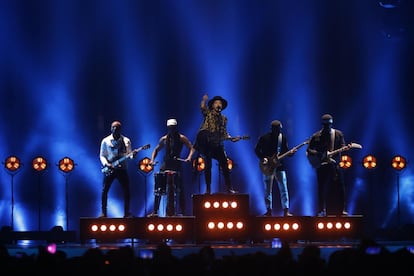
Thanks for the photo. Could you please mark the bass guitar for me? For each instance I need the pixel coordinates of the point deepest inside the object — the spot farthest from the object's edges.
(109, 170)
(268, 167)
(316, 160)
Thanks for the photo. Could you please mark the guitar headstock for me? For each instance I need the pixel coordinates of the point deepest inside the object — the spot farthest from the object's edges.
(355, 145)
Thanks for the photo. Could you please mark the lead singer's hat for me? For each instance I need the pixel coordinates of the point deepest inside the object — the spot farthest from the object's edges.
(217, 98)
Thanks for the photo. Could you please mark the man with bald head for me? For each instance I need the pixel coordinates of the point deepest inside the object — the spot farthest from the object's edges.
(114, 147)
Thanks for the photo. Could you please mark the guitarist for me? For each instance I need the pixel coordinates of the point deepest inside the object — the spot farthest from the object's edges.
(114, 147)
(330, 177)
(268, 147)
(210, 139)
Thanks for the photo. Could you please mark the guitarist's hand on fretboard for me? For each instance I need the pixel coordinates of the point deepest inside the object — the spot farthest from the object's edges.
(293, 151)
(235, 139)
(238, 138)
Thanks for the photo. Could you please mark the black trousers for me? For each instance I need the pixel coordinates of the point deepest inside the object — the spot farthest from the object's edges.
(122, 176)
(218, 153)
(331, 189)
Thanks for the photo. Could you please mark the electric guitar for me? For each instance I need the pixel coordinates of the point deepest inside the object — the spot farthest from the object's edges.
(237, 138)
(109, 170)
(204, 138)
(316, 160)
(268, 167)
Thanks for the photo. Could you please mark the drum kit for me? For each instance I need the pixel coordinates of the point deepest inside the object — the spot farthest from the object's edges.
(166, 185)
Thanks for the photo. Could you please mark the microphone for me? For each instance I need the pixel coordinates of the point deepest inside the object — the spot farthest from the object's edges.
(219, 109)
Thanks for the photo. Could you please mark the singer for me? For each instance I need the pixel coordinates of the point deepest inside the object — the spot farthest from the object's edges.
(210, 139)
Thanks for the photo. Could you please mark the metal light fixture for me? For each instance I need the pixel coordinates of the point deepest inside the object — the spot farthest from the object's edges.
(66, 165)
(369, 162)
(199, 164)
(346, 162)
(398, 162)
(12, 164)
(39, 164)
(145, 166)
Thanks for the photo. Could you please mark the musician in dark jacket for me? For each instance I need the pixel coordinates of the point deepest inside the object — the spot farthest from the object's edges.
(210, 139)
(171, 166)
(269, 146)
(114, 147)
(330, 178)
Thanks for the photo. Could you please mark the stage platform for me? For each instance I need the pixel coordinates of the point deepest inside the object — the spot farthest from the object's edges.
(255, 240)
(220, 221)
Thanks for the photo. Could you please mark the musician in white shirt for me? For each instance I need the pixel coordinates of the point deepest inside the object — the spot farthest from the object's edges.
(114, 147)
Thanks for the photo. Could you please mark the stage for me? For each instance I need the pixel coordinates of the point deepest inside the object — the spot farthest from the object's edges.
(220, 221)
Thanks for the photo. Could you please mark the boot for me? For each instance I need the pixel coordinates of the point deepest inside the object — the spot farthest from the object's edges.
(286, 212)
(268, 213)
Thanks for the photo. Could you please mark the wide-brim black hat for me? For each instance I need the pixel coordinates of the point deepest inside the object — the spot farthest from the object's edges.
(219, 98)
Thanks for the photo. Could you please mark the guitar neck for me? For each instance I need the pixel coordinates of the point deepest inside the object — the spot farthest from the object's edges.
(122, 159)
(238, 137)
(291, 150)
(337, 151)
(344, 148)
(129, 155)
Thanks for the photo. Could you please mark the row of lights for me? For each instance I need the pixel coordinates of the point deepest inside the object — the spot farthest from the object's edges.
(369, 162)
(66, 164)
(13, 164)
(223, 228)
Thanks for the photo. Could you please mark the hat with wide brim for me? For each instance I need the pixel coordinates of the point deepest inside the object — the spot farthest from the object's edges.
(217, 98)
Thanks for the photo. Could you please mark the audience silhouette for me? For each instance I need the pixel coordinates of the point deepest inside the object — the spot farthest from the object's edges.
(368, 258)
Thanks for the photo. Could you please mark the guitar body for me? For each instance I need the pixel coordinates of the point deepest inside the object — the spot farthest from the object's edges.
(205, 138)
(110, 170)
(268, 167)
(274, 161)
(316, 161)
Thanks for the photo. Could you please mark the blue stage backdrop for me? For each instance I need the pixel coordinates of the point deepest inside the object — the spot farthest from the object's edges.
(69, 68)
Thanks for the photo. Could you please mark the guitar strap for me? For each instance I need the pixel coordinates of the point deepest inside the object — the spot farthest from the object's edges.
(279, 144)
(332, 139)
